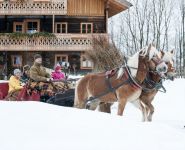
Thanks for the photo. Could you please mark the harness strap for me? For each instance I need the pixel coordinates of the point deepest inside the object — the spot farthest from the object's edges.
(159, 85)
(153, 85)
(111, 89)
(95, 98)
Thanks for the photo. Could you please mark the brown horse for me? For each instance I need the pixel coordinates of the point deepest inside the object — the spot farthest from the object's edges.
(153, 82)
(93, 85)
(147, 97)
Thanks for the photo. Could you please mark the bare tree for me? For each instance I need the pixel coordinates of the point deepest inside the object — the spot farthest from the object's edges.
(182, 39)
(183, 32)
(105, 55)
(147, 21)
(158, 21)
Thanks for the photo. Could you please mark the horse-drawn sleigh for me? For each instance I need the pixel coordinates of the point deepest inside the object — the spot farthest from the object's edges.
(136, 81)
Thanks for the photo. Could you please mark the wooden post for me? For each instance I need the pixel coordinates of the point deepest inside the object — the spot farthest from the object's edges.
(107, 14)
(53, 23)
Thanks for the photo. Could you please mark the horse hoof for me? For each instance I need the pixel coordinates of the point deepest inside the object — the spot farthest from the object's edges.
(88, 105)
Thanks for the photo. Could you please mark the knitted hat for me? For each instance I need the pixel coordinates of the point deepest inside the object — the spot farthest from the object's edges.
(37, 56)
(26, 67)
(16, 71)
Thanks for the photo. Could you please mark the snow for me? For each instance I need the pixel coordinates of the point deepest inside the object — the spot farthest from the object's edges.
(40, 126)
(3, 81)
(74, 76)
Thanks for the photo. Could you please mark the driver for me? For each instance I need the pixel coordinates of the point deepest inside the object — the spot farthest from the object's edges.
(37, 71)
(40, 79)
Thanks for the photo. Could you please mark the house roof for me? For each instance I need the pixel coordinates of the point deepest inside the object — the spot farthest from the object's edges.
(117, 6)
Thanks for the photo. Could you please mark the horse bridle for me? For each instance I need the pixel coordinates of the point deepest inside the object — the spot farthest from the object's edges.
(157, 86)
(156, 61)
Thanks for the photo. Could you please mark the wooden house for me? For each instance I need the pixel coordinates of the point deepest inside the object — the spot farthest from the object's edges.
(57, 29)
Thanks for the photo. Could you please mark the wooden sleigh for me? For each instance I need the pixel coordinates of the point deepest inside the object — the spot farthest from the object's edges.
(63, 97)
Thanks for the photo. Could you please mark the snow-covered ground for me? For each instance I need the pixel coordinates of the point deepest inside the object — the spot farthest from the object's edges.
(40, 126)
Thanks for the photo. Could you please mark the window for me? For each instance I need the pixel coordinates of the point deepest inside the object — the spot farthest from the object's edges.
(16, 60)
(85, 63)
(32, 26)
(18, 27)
(61, 58)
(61, 27)
(86, 28)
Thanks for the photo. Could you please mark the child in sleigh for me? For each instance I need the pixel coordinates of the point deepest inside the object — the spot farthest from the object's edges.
(58, 75)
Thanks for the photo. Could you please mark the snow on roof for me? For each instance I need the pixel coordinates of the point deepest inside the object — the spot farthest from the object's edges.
(124, 2)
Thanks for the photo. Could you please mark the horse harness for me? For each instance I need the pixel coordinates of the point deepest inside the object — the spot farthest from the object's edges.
(130, 80)
(151, 85)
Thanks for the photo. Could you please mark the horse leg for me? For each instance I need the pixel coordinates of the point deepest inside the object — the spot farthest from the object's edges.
(81, 94)
(148, 110)
(151, 111)
(105, 107)
(93, 105)
(141, 106)
(79, 103)
(144, 111)
(80, 98)
(121, 106)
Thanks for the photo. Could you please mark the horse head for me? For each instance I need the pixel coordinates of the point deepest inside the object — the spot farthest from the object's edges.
(168, 58)
(154, 60)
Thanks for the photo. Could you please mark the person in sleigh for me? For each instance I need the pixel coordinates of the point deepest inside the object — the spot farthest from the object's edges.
(40, 80)
(15, 85)
(25, 75)
(58, 75)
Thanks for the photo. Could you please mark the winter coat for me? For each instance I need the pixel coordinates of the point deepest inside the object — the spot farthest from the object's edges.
(24, 78)
(14, 84)
(57, 75)
(38, 73)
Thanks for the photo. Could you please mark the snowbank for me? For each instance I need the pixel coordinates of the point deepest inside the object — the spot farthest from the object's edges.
(40, 126)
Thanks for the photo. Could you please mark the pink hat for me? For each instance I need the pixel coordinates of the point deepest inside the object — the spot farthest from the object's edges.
(57, 68)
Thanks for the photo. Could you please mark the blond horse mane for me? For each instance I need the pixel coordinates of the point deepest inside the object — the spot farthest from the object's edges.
(132, 62)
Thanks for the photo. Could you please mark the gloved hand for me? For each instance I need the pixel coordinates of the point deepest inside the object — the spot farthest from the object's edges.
(49, 79)
(23, 84)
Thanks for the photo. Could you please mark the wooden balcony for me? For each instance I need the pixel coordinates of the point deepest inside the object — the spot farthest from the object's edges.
(55, 7)
(62, 42)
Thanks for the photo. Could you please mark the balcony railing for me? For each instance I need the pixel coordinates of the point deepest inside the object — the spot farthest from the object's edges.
(62, 42)
(34, 8)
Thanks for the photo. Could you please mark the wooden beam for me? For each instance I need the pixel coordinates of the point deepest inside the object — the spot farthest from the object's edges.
(107, 14)
(53, 24)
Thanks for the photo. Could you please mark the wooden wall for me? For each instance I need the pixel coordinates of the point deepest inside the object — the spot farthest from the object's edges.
(6, 24)
(85, 7)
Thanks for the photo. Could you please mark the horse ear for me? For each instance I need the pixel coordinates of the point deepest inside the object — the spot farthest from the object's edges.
(153, 44)
(149, 47)
(162, 52)
(172, 51)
